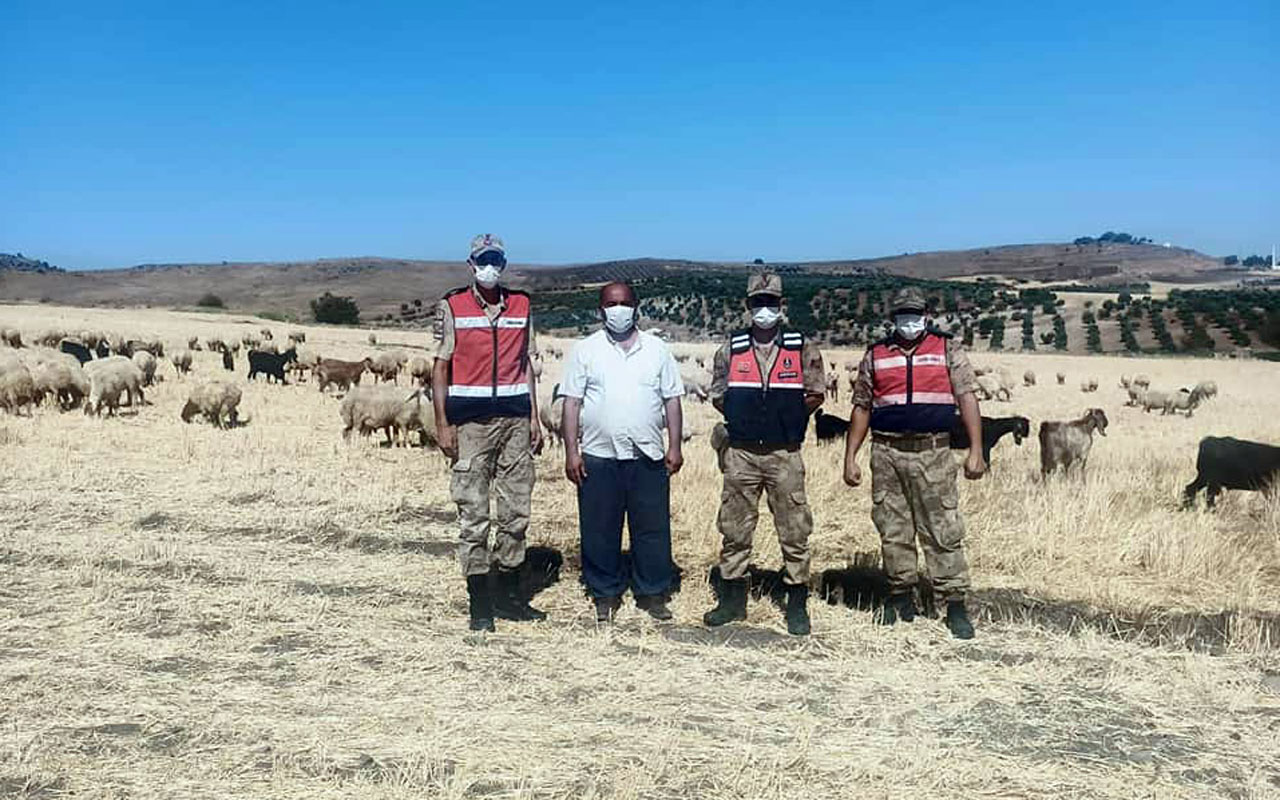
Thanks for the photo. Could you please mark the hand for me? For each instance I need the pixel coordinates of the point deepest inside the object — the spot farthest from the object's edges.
(675, 460)
(575, 469)
(852, 473)
(974, 466)
(535, 438)
(447, 438)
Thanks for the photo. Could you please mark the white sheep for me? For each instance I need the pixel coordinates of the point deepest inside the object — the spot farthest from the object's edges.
(109, 378)
(64, 383)
(146, 363)
(216, 401)
(395, 411)
(420, 370)
(181, 361)
(17, 388)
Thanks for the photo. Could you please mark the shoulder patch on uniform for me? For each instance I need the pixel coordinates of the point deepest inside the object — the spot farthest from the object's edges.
(452, 292)
(792, 340)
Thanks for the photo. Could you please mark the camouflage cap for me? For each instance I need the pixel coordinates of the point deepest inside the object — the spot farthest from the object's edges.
(764, 283)
(486, 242)
(908, 298)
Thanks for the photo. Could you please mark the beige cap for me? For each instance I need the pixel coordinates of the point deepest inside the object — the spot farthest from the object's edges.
(764, 283)
(486, 242)
(908, 298)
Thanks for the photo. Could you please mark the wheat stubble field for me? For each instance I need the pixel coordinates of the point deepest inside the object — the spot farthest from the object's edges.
(271, 612)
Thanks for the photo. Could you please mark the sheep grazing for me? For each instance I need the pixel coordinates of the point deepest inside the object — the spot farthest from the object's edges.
(266, 334)
(305, 363)
(297, 337)
(1089, 385)
(77, 349)
(990, 388)
(387, 408)
(387, 365)
(11, 337)
(61, 381)
(828, 427)
(373, 339)
(49, 337)
(228, 361)
(1028, 378)
(181, 361)
(217, 401)
(833, 386)
(1062, 378)
(109, 379)
(420, 370)
(1141, 381)
(1067, 444)
(1183, 400)
(215, 344)
(270, 364)
(153, 346)
(681, 358)
(993, 430)
(1208, 389)
(193, 343)
(17, 388)
(850, 367)
(147, 364)
(696, 389)
(1226, 463)
(268, 347)
(343, 374)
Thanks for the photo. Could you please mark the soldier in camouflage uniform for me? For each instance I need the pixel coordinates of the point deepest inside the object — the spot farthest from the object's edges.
(907, 392)
(767, 382)
(487, 423)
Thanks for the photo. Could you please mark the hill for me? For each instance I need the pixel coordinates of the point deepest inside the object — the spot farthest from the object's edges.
(385, 287)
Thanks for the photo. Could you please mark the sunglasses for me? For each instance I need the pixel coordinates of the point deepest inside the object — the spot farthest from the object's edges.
(490, 258)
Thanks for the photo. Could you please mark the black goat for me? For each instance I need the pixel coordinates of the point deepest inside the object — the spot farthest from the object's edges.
(82, 353)
(829, 427)
(270, 364)
(1226, 463)
(993, 429)
(102, 350)
(228, 362)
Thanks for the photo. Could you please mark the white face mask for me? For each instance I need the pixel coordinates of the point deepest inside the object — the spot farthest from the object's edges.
(487, 276)
(619, 319)
(909, 326)
(766, 316)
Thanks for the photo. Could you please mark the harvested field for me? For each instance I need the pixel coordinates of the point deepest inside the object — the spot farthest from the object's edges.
(269, 612)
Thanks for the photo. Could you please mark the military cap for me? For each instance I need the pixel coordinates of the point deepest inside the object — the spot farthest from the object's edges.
(908, 298)
(764, 283)
(485, 243)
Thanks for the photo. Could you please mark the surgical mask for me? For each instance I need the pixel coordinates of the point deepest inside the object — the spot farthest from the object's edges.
(766, 316)
(909, 326)
(487, 276)
(619, 319)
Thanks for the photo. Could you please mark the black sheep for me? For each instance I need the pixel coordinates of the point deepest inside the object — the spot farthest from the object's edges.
(82, 353)
(993, 429)
(829, 427)
(270, 364)
(1226, 463)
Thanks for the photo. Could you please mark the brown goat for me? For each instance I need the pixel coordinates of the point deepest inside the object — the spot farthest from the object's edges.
(1065, 444)
(340, 373)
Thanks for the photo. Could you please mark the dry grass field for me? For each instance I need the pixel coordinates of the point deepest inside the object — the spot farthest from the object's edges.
(270, 612)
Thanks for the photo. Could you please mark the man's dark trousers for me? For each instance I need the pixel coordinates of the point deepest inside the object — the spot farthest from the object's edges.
(639, 491)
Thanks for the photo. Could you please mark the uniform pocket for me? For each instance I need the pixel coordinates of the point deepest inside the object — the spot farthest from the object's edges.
(462, 465)
(798, 498)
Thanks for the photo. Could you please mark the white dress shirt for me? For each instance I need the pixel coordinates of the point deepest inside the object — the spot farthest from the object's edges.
(623, 394)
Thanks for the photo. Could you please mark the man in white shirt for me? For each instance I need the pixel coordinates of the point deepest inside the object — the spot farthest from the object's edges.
(621, 387)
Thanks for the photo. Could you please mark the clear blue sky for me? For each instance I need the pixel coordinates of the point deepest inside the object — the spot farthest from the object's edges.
(202, 131)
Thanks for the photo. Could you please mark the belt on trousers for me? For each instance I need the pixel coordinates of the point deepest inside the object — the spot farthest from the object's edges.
(914, 443)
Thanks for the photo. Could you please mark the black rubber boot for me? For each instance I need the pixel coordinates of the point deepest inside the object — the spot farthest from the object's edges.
(798, 610)
(510, 602)
(655, 606)
(732, 605)
(480, 602)
(958, 620)
(897, 607)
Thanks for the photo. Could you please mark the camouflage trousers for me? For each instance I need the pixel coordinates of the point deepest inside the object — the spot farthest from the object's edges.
(914, 495)
(493, 459)
(779, 473)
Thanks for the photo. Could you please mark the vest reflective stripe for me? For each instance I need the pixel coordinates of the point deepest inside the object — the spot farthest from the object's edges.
(488, 370)
(912, 393)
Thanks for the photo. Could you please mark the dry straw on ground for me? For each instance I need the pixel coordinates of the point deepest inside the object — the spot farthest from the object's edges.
(269, 612)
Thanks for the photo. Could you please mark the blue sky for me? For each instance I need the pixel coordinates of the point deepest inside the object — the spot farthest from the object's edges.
(203, 131)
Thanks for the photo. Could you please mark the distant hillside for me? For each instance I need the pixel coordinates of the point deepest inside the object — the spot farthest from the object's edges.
(397, 287)
(16, 262)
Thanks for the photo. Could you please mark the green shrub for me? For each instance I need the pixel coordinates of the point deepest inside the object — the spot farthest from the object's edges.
(334, 310)
(210, 300)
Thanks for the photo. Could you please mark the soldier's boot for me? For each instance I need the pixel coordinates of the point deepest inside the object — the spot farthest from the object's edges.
(480, 602)
(511, 603)
(732, 605)
(655, 606)
(897, 607)
(798, 610)
(958, 620)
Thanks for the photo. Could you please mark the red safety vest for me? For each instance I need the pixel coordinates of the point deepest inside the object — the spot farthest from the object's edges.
(912, 392)
(489, 370)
